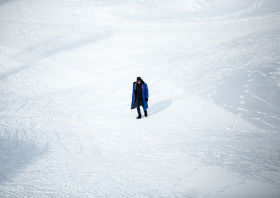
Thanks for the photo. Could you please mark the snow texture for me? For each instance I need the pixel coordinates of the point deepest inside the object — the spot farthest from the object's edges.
(66, 74)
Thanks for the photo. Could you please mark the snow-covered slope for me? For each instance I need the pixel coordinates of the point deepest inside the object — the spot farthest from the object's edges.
(213, 72)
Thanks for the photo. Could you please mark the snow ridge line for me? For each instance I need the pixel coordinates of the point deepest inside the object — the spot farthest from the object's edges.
(82, 26)
(256, 5)
(237, 14)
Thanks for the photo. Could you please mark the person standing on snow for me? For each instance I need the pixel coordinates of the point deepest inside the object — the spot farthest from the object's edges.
(140, 95)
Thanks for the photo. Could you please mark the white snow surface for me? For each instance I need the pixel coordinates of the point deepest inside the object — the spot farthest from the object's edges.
(66, 74)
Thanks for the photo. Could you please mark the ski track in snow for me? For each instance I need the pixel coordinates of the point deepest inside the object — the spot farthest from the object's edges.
(66, 129)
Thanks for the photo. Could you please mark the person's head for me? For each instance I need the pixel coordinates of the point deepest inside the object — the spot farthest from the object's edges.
(139, 80)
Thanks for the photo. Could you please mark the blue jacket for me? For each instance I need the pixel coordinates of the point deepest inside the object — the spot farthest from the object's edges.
(145, 94)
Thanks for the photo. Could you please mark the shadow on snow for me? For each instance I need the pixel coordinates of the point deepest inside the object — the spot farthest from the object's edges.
(16, 152)
(254, 93)
(58, 47)
(160, 106)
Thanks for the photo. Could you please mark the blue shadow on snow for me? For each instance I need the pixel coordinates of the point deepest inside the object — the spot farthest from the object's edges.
(16, 153)
(160, 106)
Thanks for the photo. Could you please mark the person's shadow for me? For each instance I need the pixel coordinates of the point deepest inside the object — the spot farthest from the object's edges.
(160, 106)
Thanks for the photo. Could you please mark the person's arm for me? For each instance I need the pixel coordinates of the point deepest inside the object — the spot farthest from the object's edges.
(147, 93)
(133, 88)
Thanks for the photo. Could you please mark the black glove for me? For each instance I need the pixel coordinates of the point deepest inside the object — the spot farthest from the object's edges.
(146, 99)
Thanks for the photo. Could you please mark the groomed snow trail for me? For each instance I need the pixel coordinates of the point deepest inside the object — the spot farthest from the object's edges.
(66, 72)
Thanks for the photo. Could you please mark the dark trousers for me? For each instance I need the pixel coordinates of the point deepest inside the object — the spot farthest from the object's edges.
(139, 102)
